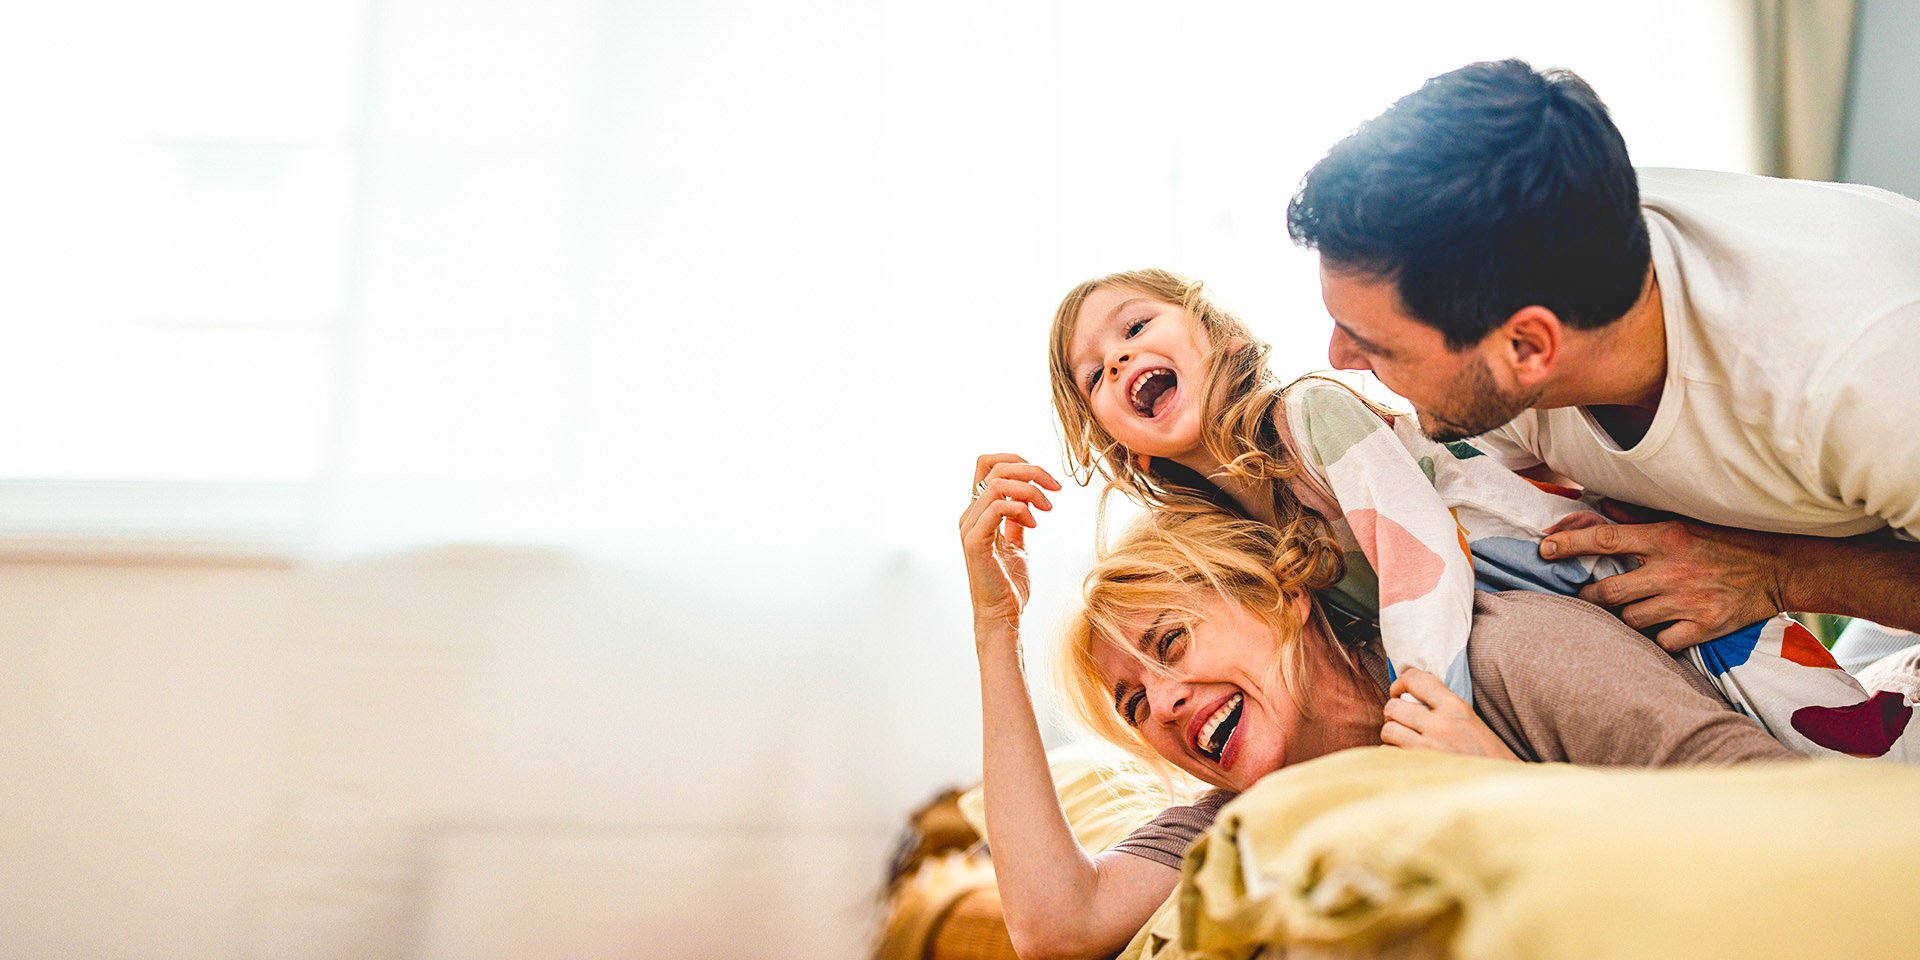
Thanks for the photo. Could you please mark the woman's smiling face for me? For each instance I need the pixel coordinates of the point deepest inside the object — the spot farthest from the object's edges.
(1211, 699)
(1140, 363)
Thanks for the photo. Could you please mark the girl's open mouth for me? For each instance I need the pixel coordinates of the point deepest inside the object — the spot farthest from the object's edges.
(1153, 390)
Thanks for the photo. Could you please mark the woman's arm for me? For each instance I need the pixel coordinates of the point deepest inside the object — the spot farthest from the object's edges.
(1058, 902)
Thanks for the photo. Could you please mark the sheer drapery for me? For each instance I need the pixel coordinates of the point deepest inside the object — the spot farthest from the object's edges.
(764, 278)
(1803, 58)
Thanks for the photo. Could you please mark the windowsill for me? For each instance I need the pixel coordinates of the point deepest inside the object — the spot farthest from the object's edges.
(139, 522)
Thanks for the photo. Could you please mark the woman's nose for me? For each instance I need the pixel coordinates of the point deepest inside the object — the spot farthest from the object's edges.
(1165, 698)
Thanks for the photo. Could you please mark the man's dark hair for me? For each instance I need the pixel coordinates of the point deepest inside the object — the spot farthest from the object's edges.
(1489, 189)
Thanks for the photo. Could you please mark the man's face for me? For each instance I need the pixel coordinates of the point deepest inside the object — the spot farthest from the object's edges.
(1454, 392)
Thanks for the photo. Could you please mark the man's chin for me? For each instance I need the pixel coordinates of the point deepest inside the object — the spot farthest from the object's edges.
(1442, 430)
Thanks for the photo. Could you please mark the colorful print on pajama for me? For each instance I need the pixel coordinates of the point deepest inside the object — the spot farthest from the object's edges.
(1423, 524)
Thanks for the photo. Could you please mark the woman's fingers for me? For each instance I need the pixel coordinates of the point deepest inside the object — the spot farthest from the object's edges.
(1425, 714)
(1427, 688)
(1017, 469)
(1011, 465)
(991, 514)
(1008, 488)
(1396, 734)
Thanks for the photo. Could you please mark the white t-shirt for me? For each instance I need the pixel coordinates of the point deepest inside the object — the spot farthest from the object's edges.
(1792, 396)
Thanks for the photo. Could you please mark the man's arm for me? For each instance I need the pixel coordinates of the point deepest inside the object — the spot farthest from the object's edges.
(1707, 580)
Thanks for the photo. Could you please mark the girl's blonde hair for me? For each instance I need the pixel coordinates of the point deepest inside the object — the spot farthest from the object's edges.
(1242, 398)
(1166, 562)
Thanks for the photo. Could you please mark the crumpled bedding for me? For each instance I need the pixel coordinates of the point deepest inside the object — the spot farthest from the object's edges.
(1385, 852)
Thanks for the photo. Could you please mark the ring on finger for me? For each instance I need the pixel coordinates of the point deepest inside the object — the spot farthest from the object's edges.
(979, 488)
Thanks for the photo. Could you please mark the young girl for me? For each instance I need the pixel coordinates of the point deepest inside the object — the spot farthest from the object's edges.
(1170, 399)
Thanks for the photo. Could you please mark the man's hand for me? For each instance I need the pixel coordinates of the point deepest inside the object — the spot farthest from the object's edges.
(1705, 581)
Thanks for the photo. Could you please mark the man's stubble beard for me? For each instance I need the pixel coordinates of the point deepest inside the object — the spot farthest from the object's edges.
(1482, 407)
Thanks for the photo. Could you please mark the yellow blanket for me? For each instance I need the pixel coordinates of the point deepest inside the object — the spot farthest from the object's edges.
(1389, 852)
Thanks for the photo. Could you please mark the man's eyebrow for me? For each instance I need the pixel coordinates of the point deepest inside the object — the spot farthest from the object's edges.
(1364, 344)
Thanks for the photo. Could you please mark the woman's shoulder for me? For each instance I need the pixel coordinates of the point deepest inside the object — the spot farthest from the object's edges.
(1515, 623)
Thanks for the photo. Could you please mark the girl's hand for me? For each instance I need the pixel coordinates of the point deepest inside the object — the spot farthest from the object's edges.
(993, 537)
(1436, 719)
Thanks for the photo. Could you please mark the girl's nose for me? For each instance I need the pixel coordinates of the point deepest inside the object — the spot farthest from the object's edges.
(1114, 371)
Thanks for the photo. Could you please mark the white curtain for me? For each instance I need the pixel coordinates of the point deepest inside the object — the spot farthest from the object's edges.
(752, 279)
(1803, 57)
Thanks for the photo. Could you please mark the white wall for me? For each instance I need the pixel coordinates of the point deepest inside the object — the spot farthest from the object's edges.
(1883, 126)
(463, 753)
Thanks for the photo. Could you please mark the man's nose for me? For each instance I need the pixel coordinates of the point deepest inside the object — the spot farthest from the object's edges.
(1342, 354)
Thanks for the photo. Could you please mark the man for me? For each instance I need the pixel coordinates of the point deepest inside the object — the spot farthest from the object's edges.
(1739, 350)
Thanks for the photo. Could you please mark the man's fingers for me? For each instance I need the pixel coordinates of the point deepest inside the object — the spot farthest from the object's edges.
(1657, 608)
(1680, 636)
(1606, 540)
(1620, 589)
(1577, 520)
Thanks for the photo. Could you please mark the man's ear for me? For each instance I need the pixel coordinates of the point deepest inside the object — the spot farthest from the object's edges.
(1529, 344)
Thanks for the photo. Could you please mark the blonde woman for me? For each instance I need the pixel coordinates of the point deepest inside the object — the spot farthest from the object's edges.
(1201, 648)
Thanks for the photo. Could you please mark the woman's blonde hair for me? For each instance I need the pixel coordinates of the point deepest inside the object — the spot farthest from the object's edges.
(1240, 394)
(1166, 562)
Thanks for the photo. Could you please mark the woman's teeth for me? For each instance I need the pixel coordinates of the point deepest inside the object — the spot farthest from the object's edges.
(1218, 724)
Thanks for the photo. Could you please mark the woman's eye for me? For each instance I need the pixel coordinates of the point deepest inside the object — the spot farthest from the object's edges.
(1173, 644)
(1134, 328)
(1133, 709)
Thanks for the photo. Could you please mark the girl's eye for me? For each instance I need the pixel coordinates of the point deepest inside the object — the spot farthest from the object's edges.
(1134, 328)
(1172, 645)
(1133, 708)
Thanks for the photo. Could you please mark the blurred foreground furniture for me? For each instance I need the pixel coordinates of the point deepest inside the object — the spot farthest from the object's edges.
(1390, 853)
(1383, 852)
(943, 904)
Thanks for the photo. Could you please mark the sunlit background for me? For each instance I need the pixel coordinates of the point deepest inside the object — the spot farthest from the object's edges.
(478, 478)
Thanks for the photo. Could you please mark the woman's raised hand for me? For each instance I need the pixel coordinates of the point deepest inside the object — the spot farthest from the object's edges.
(1006, 490)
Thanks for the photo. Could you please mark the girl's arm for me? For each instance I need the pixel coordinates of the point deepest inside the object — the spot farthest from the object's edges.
(1058, 902)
